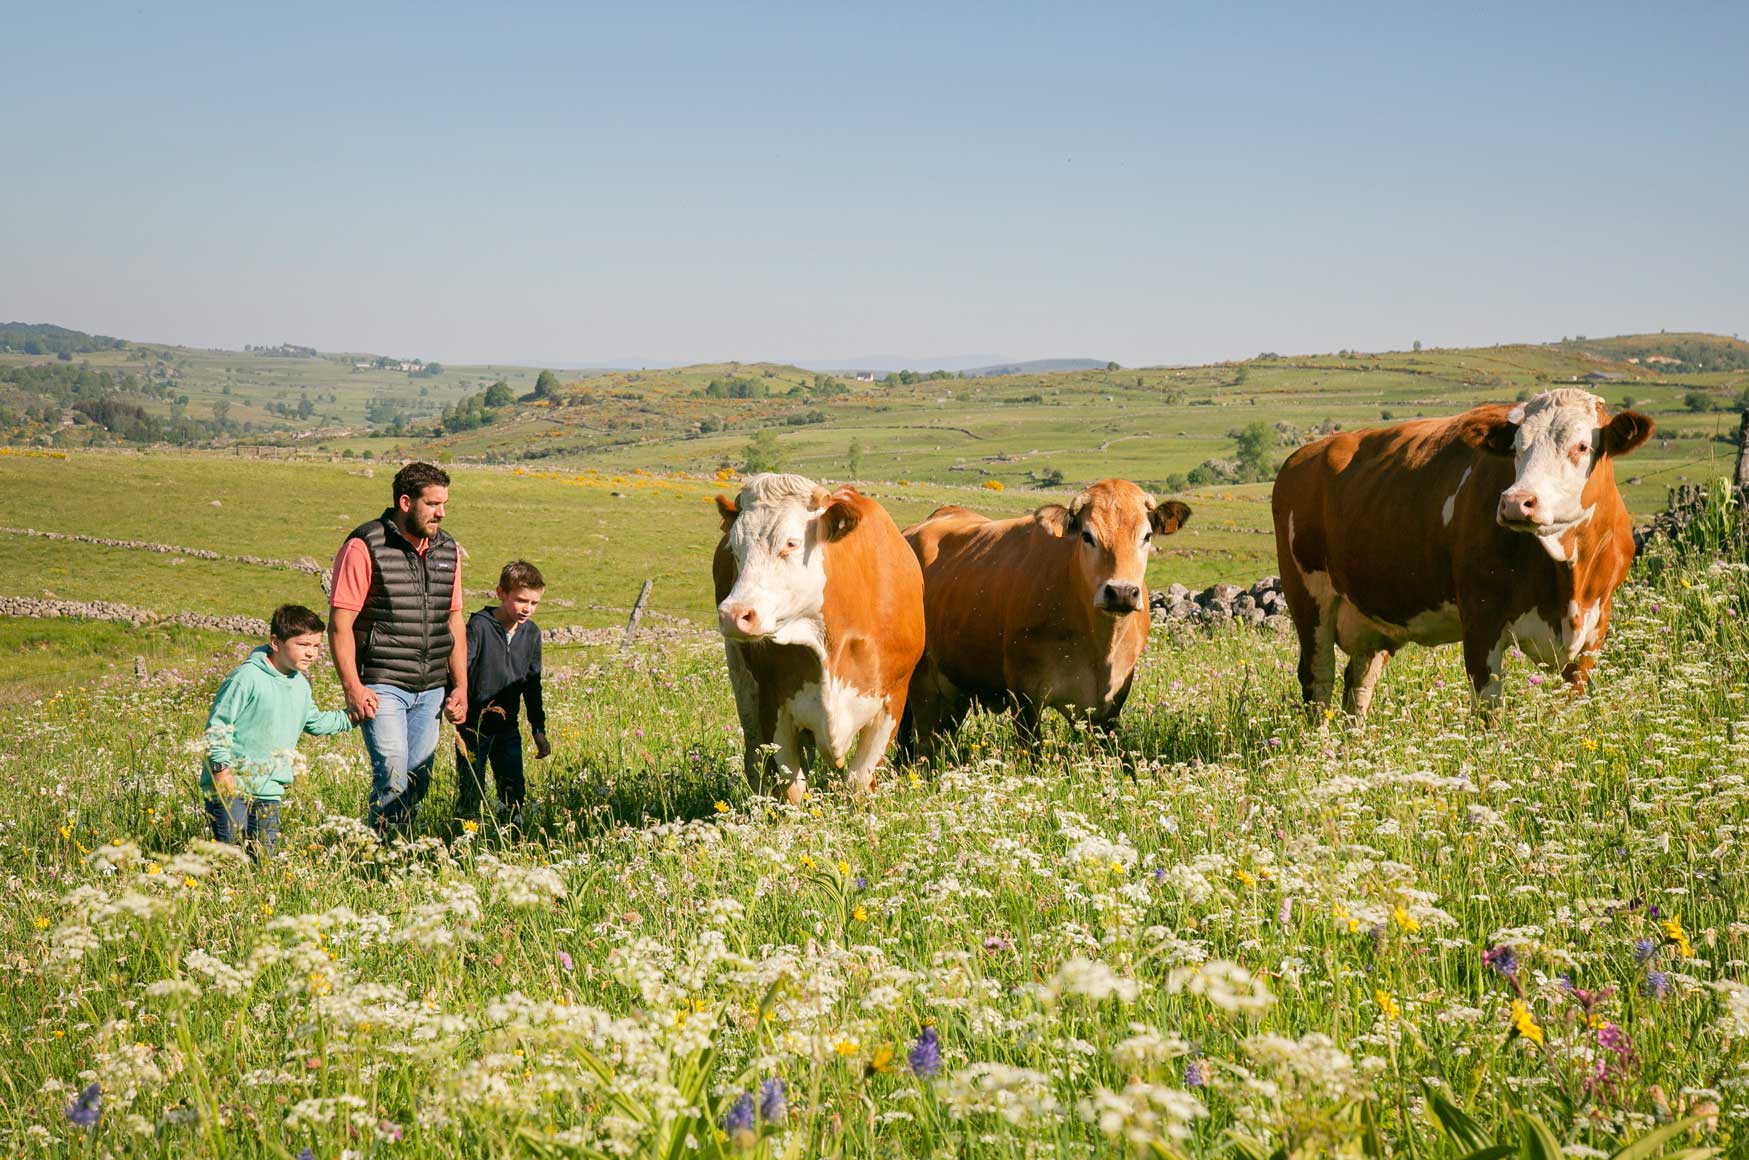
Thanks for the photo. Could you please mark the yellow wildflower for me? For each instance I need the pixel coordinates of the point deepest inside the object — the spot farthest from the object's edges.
(859, 914)
(1525, 1024)
(1672, 928)
(1245, 879)
(154, 868)
(1405, 920)
(843, 868)
(845, 1046)
(722, 807)
(882, 1059)
(42, 923)
(1387, 1004)
(469, 826)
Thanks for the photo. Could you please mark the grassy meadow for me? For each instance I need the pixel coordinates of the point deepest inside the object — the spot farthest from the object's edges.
(1233, 932)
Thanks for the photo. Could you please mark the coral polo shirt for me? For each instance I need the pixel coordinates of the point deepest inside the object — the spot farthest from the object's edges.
(352, 577)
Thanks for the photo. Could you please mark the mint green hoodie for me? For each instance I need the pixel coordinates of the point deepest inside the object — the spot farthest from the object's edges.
(256, 720)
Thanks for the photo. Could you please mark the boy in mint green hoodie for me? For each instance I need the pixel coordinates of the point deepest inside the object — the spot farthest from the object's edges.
(252, 732)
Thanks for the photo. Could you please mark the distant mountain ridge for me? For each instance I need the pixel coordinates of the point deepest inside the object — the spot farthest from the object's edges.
(1037, 366)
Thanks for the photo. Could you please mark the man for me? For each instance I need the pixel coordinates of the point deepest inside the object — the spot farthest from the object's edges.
(399, 639)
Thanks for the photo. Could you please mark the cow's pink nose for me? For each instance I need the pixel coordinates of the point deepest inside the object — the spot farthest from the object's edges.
(1518, 506)
(738, 618)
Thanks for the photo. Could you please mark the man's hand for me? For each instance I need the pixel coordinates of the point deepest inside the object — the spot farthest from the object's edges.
(360, 700)
(455, 706)
(225, 783)
(541, 747)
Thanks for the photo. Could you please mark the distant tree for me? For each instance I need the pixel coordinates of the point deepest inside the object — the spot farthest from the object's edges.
(1177, 481)
(306, 408)
(762, 453)
(1252, 444)
(1417, 345)
(546, 386)
(221, 411)
(1698, 401)
(499, 394)
(1111, 366)
(854, 460)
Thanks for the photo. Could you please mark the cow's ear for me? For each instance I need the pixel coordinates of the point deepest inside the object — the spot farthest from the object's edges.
(1500, 439)
(841, 515)
(1625, 432)
(1168, 517)
(1055, 519)
(727, 509)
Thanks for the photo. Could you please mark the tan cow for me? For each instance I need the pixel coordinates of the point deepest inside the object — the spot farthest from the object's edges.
(1496, 527)
(1045, 611)
(820, 604)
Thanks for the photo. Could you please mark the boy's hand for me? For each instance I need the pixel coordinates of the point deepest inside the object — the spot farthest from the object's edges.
(541, 747)
(360, 700)
(455, 706)
(225, 783)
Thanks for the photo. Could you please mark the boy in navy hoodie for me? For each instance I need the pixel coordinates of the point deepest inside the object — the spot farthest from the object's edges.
(504, 671)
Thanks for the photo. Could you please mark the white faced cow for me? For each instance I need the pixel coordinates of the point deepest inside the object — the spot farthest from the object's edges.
(1496, 527)
(820, 603)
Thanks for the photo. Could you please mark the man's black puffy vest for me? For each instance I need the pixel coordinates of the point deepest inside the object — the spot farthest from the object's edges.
(402, 634)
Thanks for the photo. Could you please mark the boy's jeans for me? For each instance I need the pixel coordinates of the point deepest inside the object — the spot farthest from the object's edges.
(502, 751)
(235, 817)
(402, 742)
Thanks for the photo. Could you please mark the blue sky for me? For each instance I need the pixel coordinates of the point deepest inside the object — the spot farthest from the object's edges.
(1149, 183)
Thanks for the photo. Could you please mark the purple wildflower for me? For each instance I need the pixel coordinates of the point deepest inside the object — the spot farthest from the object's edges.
(739, 1123)
(925, 1054)
(1536, 678)
(1159, 873)
(1653, 913)
(565, 961)
(1504, 959)
(1285, 912)
(307, 1154)
(1657, 985)
(85, 1110)
(1194, 1076)
(1644, 949)
(1614, 1039)
(772, 1105)
(995, 943)
(861, 882)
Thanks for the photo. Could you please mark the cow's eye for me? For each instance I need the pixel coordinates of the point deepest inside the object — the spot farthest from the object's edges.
(1087, 538)
(1583, 448)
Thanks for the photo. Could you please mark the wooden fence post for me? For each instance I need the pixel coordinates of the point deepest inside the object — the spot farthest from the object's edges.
(637, 613)
(1742, 480)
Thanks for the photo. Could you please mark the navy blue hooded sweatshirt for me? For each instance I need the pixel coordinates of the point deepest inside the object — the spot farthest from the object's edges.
(503, 671)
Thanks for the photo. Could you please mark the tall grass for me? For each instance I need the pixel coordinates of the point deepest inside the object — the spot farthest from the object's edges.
(1226, 931)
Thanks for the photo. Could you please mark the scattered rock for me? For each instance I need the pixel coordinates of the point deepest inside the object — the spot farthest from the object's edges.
(1263, 604)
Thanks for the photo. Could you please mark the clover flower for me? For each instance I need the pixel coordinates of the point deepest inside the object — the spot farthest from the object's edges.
(925, 1054)
(1504, 959)
(87, 1107)
(740, 1124)
(773, 1107)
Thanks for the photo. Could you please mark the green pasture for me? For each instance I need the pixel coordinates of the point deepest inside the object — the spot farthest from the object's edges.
(1231, 932)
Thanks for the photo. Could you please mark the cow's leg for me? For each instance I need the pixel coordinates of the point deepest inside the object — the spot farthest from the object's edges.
(1483, 652)
(870, 748)
(1359, 679)
(1314, 617)
(1578, 673)
(790, 766)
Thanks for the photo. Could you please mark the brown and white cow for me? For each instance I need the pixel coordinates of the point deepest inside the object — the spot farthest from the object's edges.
(1496, 527)
(1044, 611)
(821, 608)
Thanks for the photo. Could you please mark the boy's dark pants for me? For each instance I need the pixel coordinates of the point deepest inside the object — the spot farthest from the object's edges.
(500, 752)
(234, 818)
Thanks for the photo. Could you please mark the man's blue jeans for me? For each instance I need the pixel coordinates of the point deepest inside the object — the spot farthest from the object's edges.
(402, 742)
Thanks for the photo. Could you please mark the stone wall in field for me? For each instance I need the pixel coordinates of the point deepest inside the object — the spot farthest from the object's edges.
(35, 609)
(1262, 604)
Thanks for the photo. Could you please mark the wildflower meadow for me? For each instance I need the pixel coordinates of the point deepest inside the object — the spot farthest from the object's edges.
(1231, 931)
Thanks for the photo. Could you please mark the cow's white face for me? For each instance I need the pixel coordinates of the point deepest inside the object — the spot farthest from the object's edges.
(1556, 440)
(1115, 522)
(780, 569)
